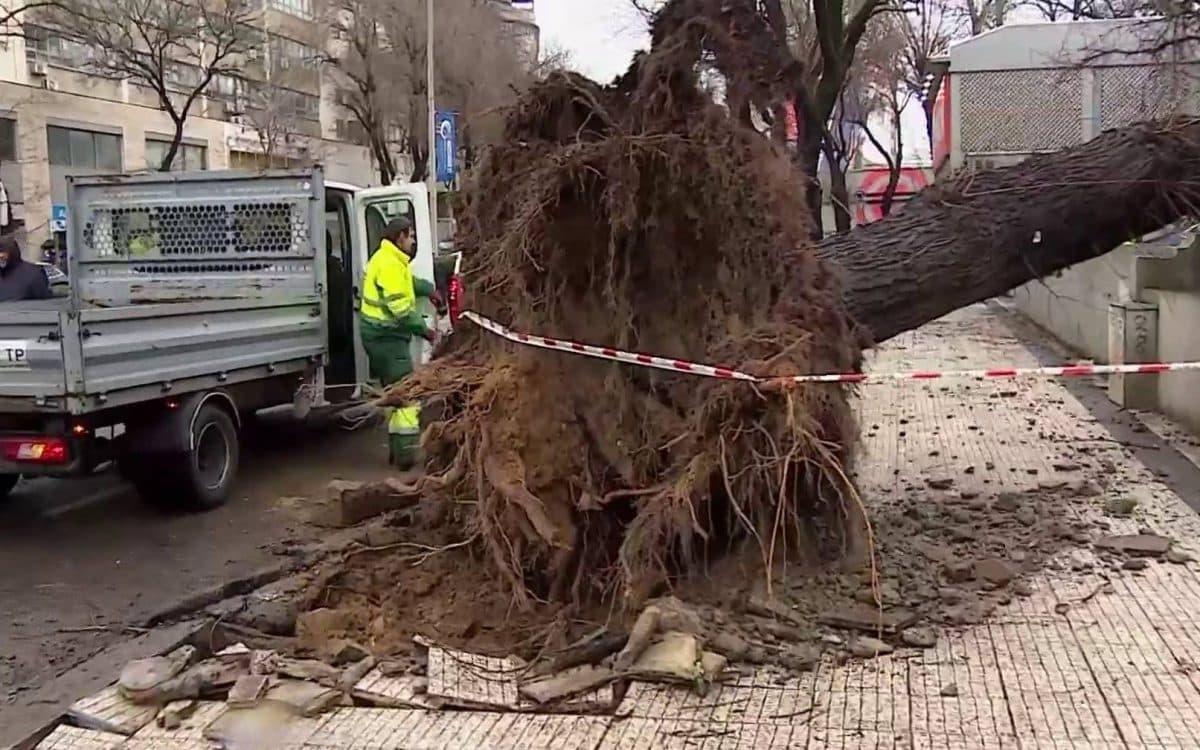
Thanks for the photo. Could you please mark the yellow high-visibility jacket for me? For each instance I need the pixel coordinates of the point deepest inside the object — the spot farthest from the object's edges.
(390, 291)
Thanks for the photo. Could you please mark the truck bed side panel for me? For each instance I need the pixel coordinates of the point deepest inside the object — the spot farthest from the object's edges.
(31, 355)
(134, 353)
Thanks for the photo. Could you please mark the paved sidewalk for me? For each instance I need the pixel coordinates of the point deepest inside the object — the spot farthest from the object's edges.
(1075, 665)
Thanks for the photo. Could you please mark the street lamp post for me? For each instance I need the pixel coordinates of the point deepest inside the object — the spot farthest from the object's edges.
(431, 168)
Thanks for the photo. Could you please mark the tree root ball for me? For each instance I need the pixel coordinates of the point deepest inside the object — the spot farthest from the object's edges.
(642, 217)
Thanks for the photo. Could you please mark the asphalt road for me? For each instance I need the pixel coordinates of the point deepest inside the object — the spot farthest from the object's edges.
(79, 560)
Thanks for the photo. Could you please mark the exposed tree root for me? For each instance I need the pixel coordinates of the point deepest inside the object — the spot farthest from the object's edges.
(642, 217)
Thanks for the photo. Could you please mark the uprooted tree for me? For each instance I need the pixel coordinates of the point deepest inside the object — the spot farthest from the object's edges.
(643, 217)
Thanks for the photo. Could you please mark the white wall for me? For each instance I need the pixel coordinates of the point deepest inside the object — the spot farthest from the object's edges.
(1178, 341)
(1073, 305)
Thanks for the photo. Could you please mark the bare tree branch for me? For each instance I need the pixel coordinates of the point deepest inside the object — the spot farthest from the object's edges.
(174, 48)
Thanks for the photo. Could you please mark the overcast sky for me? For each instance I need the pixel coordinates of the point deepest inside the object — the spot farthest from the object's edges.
(600, 35)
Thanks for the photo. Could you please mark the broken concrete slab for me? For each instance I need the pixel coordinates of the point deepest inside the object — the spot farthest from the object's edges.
(674, 657)
(307, 699)
(110, 711)
(309, 669)
(1141, 545)
(248, 690)
(354, 502)
(207, 678)
(142, 675)
(566, 684)
(857, 616)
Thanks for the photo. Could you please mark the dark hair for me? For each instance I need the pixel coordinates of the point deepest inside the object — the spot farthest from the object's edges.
(397, 227)
(9, 243)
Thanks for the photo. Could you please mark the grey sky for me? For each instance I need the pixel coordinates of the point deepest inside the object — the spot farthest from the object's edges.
(600, 35)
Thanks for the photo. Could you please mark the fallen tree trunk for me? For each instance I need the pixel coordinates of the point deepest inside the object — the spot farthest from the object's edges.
(985, 233)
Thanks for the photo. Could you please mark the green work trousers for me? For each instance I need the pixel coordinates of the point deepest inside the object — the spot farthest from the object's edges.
(388, 351)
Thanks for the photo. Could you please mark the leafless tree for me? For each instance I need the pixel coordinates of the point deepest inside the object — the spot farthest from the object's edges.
(885, 90)
(929, 27)
(379, 59)
(825, 36)
(174, 48)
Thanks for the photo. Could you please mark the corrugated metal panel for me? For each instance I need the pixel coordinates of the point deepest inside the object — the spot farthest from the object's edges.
(1020, 111)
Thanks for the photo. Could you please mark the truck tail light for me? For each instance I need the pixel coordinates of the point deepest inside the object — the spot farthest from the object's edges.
(456, 298)
(35, 450)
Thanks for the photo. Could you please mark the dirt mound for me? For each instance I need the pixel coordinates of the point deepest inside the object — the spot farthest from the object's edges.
(641, 217)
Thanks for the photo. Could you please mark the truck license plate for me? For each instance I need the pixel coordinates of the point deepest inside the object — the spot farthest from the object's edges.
(14, 354)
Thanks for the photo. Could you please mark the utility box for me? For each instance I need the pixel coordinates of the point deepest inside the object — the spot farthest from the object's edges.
(1133, 339)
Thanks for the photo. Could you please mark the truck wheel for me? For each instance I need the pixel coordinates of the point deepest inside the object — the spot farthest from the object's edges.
(7, 482)
(205, 475)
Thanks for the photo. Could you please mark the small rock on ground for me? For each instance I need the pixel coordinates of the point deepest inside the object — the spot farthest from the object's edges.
(949, 691)
(867, 648)
(1178, 557)
(919, 637)
(1147, 545)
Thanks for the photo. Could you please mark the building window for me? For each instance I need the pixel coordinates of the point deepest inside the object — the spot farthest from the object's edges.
(84, 149)
(189, 158)
(253, 162)
(298, 8)
(8, 140)
(48, 47)
(288, 53)
(299, 105)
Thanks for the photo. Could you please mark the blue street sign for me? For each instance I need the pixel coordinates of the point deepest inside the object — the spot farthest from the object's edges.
(58, 217)
(447, 146)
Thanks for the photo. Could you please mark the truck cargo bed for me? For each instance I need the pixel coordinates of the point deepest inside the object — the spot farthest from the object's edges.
(178, 283)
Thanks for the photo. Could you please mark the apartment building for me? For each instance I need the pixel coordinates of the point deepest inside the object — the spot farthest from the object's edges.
(282, 109)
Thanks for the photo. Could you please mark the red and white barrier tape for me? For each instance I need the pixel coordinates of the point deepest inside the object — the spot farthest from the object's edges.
(709, 371)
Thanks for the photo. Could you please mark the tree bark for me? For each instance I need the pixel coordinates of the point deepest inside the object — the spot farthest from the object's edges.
(985, 233)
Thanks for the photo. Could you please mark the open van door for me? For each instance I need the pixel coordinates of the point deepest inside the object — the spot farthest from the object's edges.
(373, 209)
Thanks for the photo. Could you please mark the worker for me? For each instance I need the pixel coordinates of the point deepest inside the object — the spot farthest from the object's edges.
(19, 279)
(388, 319)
